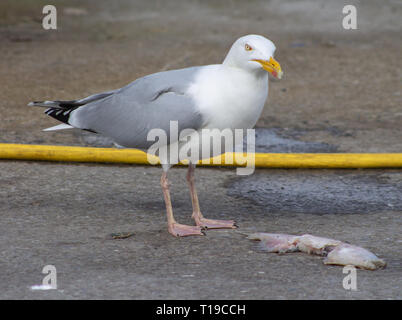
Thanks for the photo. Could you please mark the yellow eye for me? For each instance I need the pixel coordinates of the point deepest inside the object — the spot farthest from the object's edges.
(248, 48)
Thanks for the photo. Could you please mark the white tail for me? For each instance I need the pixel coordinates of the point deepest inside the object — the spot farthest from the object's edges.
(59, 127)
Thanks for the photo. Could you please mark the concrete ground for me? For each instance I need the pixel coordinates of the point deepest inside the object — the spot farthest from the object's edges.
(341, 93)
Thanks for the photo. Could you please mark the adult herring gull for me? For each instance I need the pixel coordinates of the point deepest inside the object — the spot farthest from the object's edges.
(230, 95)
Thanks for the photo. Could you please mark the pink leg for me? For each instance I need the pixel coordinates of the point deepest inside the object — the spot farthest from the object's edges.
(176, 229)
(197, 215)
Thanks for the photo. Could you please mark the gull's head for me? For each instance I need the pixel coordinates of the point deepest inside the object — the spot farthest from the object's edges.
(254, 53)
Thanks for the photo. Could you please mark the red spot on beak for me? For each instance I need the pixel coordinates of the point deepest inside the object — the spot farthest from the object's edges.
(275, 74)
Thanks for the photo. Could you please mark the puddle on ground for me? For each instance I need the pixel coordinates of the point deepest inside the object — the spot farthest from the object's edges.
(321, 191)
(278, 140)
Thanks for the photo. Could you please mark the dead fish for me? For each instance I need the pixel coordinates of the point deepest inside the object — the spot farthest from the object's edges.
(347, 254)
(316, 245)
(274, 242)
(336, 252)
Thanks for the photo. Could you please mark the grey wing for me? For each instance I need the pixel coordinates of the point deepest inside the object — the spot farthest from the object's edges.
(148, 103)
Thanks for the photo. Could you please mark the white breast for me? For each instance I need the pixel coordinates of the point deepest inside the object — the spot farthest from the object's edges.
(229, 97)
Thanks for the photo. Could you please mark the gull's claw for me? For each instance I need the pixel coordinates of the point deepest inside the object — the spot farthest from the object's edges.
(216, 224)
(182, 230)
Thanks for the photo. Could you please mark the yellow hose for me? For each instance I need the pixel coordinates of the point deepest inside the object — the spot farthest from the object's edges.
(262, 160)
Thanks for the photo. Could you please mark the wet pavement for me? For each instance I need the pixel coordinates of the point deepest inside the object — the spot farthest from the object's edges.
(278, 140)
(322, 191)
(65, 214)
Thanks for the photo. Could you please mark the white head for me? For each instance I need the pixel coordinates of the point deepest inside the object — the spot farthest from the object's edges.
(254, 53)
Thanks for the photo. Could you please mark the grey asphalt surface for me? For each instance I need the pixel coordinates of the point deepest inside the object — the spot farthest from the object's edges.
(331, 100)
(63, 214)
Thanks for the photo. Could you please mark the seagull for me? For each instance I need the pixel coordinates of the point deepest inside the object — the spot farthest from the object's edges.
(230, 95)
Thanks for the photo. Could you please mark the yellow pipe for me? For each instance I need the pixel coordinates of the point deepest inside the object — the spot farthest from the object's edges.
(262, 160)
(71, 154)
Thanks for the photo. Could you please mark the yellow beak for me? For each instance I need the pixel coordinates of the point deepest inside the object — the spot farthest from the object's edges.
(272, 66)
